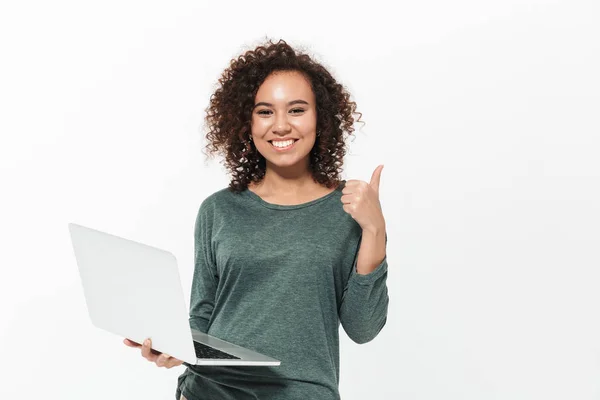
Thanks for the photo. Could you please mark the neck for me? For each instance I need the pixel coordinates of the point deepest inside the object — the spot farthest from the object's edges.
(288, 180)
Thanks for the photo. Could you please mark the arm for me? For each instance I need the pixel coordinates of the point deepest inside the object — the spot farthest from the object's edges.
(205, 279)
(372, 251)
(364, 307)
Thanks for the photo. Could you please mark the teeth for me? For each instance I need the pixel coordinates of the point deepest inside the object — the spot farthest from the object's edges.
(282, 144)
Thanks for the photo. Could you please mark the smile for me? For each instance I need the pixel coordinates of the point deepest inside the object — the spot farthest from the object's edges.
(283, 145)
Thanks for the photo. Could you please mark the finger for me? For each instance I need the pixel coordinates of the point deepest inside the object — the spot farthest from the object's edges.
(131, 343)
(162, 360)
(350, 186)
(173, 362)
(346, 199)
(147, 351)
(376, 178)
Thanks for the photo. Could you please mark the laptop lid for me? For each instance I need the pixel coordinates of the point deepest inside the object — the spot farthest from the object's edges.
(133, 290)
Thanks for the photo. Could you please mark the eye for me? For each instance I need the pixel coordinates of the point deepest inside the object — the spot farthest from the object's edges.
(294, 111)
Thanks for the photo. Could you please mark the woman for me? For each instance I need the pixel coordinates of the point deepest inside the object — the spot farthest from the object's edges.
(288, 251)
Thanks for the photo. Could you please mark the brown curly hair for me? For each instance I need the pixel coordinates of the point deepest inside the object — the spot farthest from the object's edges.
(229, 114)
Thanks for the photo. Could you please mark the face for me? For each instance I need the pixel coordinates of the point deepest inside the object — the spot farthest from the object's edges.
(285, 110)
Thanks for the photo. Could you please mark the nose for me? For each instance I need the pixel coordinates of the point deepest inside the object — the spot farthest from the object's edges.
(282, 124)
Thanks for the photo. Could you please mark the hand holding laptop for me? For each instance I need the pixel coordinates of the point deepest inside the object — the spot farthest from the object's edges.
(160, 359)
(120, 279)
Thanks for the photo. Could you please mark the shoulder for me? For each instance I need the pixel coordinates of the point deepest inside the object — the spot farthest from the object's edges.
(219, 201)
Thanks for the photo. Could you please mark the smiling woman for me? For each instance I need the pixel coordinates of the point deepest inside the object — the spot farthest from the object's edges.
(283, 132)
(273, 94)
(280, 259)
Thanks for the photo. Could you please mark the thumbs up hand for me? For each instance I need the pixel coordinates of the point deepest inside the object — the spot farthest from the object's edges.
(361, 201)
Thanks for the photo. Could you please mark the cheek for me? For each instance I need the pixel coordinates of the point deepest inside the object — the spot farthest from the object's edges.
(256, 124)
(306, 127)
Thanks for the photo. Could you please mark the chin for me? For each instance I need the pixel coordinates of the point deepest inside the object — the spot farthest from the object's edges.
(285, 163)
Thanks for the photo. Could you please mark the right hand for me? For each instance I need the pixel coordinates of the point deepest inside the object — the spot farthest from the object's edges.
(160, 359)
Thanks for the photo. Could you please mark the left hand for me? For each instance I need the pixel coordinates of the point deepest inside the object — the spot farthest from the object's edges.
(361, 201)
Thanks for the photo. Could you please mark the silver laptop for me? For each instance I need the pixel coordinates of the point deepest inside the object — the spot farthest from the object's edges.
(133, 290)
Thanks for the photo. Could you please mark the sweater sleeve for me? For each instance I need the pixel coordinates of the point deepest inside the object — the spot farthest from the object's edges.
(364, 306)
(205, 278)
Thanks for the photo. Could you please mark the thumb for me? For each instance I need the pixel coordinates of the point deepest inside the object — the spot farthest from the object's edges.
(376, 178)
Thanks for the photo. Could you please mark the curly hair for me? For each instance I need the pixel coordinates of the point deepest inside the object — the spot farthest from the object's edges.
(229, 114)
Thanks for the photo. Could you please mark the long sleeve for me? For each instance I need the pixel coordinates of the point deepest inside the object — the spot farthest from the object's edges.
(364, 307)
(276, 279)
(205, 278)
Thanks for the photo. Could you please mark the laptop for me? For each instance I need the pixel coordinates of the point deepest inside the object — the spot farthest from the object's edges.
(133, 290)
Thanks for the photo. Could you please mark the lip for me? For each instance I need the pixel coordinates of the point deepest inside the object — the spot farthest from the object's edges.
(285, 148)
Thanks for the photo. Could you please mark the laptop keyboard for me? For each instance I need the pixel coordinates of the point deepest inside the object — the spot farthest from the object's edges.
(204, 351)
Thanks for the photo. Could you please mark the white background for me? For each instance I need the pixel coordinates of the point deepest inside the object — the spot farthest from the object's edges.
(484, 113)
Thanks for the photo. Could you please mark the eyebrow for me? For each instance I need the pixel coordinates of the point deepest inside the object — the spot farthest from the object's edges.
(262, 103)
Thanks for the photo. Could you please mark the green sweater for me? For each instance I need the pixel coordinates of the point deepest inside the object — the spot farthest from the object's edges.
(279, 279)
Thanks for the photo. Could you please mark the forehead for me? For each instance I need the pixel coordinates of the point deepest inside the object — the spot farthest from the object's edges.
(285, 85)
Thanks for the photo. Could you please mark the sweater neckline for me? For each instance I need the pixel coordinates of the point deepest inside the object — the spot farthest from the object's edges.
(250, 194)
